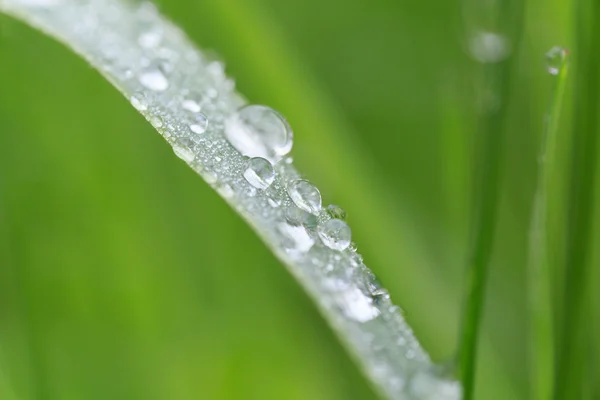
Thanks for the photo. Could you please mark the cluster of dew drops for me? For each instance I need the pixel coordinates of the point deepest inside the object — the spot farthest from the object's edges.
(265, 138)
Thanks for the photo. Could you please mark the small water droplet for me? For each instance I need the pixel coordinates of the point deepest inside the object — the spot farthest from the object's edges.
(555, 58)
(259, 131)
(297, 241)
(356, 305)
(296, 216)
(156, 121)
(150, 38)
(183, 151)
(154, 79)
(336, 211)
(199, 124)
(210, 176)
(489, 47)
(305, 195)
(335, 234)
(259, 173)
(190, 105)
(273, 203)
(139, 101)
(226, 191)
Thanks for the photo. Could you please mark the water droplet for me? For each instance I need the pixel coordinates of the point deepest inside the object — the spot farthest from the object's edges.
(376, 289)
(297, 241)
(200, 124)
(489, 47)
(226, 191)
(156, 121)
(555, 58)
(259, 173)
(183, 151)
(273, 203)
(154, 79)
(305, 195)
(150, 38)
(356, 305)
(259, 131)
(139, 101)
(336, 211)
(296, 216)
(190, 105)
(335, 234)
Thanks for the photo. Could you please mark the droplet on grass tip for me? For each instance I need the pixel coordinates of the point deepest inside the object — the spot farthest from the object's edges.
(555, 58)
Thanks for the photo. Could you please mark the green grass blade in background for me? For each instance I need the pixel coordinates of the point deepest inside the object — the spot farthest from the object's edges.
(542, 339)
(572, 353)
(108, 38)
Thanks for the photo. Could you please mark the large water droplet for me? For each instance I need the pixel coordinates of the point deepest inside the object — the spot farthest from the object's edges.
(489, 47)
(336, 211)
(259, 173)
(259, 131)
(154, 79)
(139, 101)
(555, 58)
(305, 195)
(199, 124)
(335, 234)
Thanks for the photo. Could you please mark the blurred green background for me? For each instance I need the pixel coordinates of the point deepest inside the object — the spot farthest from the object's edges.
(124, 276)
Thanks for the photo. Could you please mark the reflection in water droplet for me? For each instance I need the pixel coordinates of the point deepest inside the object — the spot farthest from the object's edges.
(259, 131)
(489, 47)
(154, 79)
(200, 123)
(305, 195)
(554, 59)
(183, 151)
(259, 173)
(335, 234)
(139, 101)
(336, 211)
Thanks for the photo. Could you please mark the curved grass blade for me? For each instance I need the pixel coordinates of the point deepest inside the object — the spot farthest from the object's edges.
(152, 62)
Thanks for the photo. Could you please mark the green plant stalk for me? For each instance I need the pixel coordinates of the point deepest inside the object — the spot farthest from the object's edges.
(572, 349)
(487, 191)
(540, 276)
(107, 34)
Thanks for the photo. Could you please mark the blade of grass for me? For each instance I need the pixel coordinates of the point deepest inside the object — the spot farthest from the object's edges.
(493, 50)
(107, 34)
(540, 274)
(572, 352)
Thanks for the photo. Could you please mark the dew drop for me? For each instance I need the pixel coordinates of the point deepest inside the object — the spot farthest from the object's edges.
(151, 38)
(305, 195)
(139, 101)
(335, 234)
(296, 239)
(199, 124)
(156, 121)
(336, 211)
(555, 58)
(190, 105)
(226, 191)
(259, 131)
(273, 203)
(154, 79)
(183, 151)
(296, 217)
(489, 47)
(259, 173)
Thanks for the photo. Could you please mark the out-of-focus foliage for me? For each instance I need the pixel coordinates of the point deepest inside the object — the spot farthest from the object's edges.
(105, 295)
